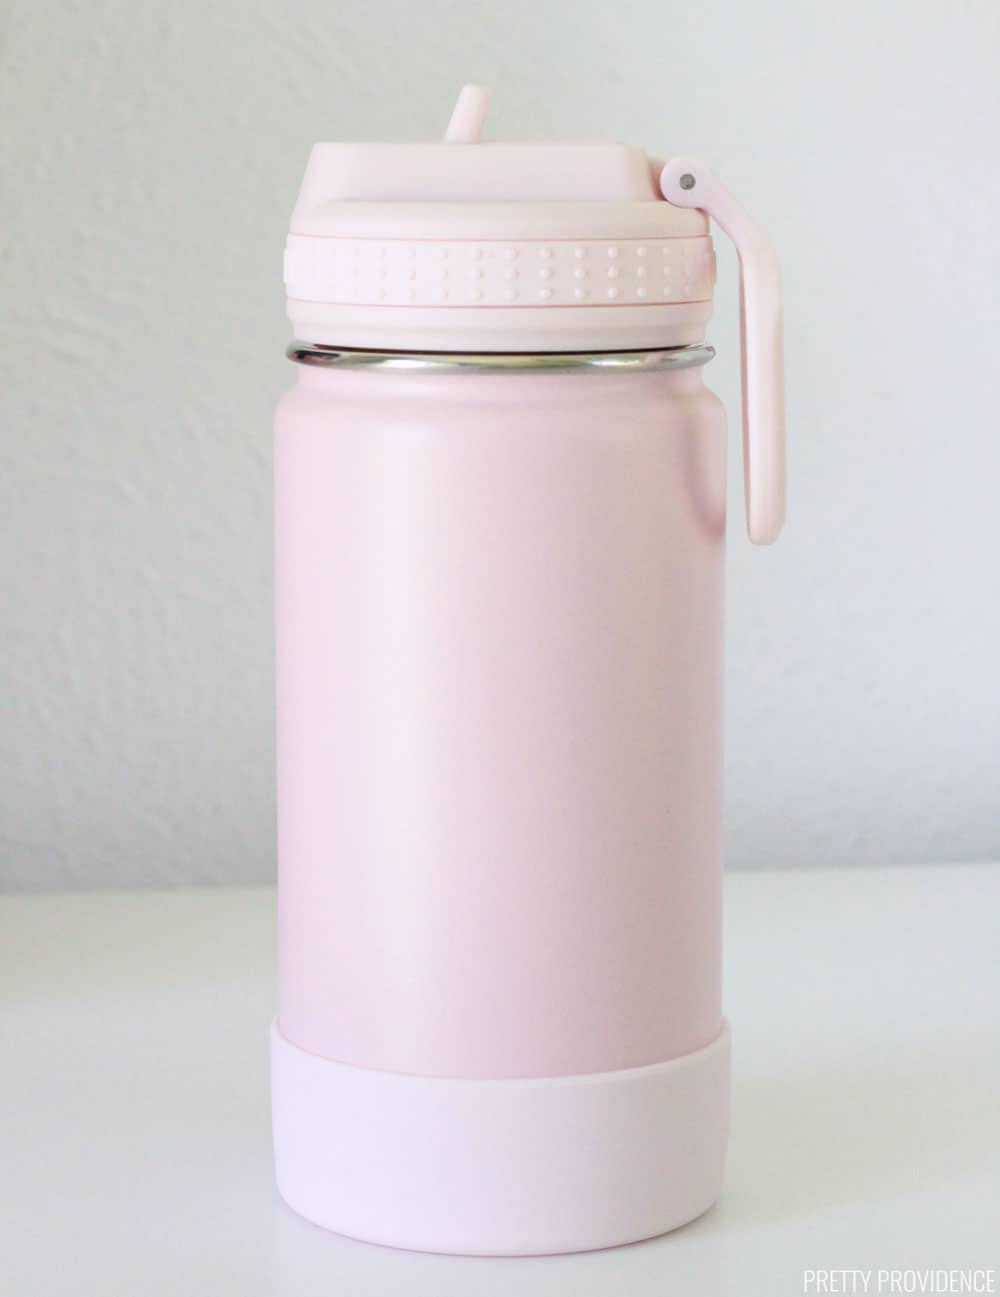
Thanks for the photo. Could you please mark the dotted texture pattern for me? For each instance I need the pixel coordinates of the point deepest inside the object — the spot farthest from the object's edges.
(431, 273)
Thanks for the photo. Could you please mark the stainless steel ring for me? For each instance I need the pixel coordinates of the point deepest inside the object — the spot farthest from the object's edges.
(624, 362)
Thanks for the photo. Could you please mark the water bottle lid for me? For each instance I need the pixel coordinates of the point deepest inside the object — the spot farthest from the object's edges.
(534, 247)
(460, 244)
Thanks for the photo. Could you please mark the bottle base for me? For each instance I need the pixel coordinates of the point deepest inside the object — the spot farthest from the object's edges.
(514, 1167)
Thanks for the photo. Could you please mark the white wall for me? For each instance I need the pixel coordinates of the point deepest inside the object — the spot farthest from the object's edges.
(150, 156)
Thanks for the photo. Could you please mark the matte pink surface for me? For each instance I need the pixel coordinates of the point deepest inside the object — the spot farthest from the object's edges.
(499, 610)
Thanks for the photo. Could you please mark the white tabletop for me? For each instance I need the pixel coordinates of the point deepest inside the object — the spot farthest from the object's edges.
(134, 1111)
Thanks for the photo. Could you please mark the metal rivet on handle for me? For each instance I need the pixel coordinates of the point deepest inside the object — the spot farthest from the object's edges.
(687, 180)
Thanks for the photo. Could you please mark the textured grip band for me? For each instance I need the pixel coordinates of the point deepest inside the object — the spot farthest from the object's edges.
(428, 272)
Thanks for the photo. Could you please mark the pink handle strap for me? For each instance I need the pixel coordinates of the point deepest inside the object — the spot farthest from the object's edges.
(687, 182)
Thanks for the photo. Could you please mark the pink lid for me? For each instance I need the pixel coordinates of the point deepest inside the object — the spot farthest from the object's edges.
(509, 246)
(462, 245)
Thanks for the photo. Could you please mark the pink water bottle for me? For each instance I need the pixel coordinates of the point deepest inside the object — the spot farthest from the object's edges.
(500, 500)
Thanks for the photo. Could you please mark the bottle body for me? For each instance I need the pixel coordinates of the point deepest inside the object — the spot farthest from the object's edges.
(499, 665)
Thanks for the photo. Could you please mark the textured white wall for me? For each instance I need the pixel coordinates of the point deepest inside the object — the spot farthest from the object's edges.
(150, 158)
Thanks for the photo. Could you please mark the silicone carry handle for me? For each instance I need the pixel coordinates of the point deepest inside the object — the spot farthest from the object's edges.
(687, 182)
